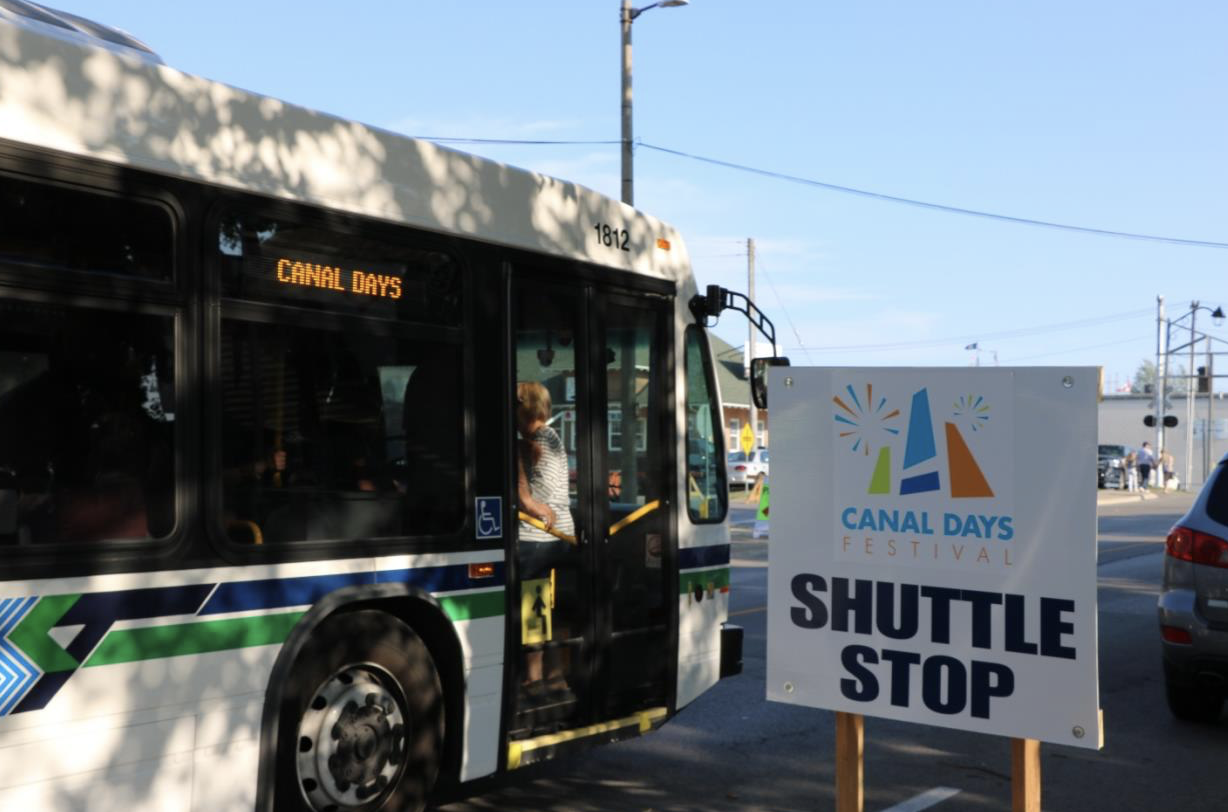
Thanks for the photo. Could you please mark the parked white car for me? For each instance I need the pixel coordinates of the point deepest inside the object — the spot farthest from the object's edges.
(743, 467)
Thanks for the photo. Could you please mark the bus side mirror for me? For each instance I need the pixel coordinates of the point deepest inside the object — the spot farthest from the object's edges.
(758, 378)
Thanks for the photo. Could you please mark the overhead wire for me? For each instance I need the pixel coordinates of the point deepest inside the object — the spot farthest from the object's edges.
(512, 141)
(851, 190)
(1079, 349)
(942, 207)
(1004, 334)
(785, 310)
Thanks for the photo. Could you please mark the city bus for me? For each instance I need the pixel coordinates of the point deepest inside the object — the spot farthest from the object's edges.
(261, 538)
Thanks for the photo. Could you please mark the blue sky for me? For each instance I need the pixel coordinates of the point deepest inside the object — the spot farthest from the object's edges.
(1101, 114)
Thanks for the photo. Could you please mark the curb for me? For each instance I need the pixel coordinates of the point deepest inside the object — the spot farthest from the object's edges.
(1123, 497)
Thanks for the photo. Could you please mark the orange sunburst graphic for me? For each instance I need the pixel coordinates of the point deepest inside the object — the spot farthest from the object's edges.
(861, 423)
(967, 478)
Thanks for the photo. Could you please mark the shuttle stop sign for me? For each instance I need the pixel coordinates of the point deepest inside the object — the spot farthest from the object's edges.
(933, 552)
(747, 439)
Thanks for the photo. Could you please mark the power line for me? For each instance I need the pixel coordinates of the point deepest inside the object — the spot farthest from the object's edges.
(512, 141)
(785, 310)
(1078, 349)
(1027, 221)
(1019, 333)
(851, 190)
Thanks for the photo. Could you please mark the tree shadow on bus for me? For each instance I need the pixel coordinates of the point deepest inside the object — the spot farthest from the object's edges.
(117, 107)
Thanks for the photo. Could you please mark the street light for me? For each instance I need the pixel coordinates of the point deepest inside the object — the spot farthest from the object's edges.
(625, 19)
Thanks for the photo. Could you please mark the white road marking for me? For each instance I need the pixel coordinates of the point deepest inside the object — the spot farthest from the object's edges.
(925, 800)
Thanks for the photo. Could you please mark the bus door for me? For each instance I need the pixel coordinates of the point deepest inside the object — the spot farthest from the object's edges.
(592, 391)
(633, 552)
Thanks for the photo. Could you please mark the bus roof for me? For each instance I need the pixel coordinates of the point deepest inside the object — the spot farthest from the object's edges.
(118, 104)
(76, 28)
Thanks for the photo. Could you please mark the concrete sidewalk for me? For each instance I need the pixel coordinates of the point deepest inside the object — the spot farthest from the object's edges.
(1115, 497)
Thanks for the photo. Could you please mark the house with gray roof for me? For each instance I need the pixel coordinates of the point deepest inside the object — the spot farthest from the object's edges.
(735, 393)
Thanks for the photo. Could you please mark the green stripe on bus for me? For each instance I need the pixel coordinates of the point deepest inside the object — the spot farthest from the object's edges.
(474, 606)
(157, 642)
(31, 634)
(719, 578)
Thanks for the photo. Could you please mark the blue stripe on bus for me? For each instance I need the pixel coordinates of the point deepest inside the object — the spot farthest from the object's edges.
(279, 593)
(714, 555)
(97, 611)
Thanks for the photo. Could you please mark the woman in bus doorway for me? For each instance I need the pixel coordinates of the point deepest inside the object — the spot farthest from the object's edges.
(547, 531)
(542, 467)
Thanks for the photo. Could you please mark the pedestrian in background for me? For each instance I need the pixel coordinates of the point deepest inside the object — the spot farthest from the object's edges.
(1131, 474)
(1168, 467)
(1146, 461)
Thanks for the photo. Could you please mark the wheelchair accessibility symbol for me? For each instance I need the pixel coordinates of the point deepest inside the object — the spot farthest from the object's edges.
(488, 516)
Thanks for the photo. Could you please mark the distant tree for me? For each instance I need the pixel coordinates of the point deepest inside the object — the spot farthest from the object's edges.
(1145, 379)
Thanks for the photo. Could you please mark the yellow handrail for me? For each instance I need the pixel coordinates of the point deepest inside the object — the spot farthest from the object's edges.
(694, 492)
(540, 525)
(634, 516)
(250, 526)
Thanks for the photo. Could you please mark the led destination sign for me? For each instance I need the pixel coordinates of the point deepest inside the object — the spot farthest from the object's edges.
(337, 278)
(283, 262)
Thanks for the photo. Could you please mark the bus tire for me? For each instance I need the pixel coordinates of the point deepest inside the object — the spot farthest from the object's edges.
(361, 723)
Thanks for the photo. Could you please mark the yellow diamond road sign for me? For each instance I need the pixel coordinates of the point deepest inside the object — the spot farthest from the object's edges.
(747, 439)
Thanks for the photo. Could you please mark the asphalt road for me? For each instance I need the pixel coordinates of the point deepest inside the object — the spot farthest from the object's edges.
(732, 750)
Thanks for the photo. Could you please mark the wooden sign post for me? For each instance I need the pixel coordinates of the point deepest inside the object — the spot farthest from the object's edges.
(1025, 775)
(850, 762)
(850, 768)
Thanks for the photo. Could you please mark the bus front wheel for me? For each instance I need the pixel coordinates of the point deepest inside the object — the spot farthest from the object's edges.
(362, 719)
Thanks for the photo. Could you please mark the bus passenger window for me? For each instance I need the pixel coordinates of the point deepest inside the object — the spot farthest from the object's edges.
(338, 435)
(707, 494)
(87, 408)
(53, 227)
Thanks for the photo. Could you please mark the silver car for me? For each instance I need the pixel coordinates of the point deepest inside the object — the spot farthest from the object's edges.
(1193, 605)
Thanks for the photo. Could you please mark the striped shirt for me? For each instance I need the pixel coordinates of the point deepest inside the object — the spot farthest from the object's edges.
(548, 483)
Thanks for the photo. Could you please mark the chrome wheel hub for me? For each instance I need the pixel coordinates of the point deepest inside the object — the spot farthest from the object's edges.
(351, 739)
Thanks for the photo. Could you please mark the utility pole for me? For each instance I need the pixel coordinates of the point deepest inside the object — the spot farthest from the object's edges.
(1161, 372)
(750, 335)
(628, 172)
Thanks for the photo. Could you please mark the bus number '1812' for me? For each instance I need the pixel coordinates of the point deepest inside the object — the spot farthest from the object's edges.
(612, 237)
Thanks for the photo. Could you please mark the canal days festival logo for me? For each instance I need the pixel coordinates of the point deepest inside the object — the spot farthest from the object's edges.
(922, 474)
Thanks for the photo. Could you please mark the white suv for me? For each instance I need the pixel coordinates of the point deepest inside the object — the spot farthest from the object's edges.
(743, 467)
(1193, 605)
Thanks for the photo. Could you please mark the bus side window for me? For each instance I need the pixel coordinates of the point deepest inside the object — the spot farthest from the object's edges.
(318, 444)
(707, 495)
(86, 425)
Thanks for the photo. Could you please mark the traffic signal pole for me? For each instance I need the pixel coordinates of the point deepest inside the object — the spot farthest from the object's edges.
(1161, 378)
(1191, 394)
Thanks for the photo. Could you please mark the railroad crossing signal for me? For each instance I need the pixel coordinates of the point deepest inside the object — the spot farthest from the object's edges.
(1170, 421)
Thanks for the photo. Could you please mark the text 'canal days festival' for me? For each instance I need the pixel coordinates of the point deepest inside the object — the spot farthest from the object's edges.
(955, 492)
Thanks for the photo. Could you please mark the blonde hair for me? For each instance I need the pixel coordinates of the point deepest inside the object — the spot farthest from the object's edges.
(533, 400)
(532, 403)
